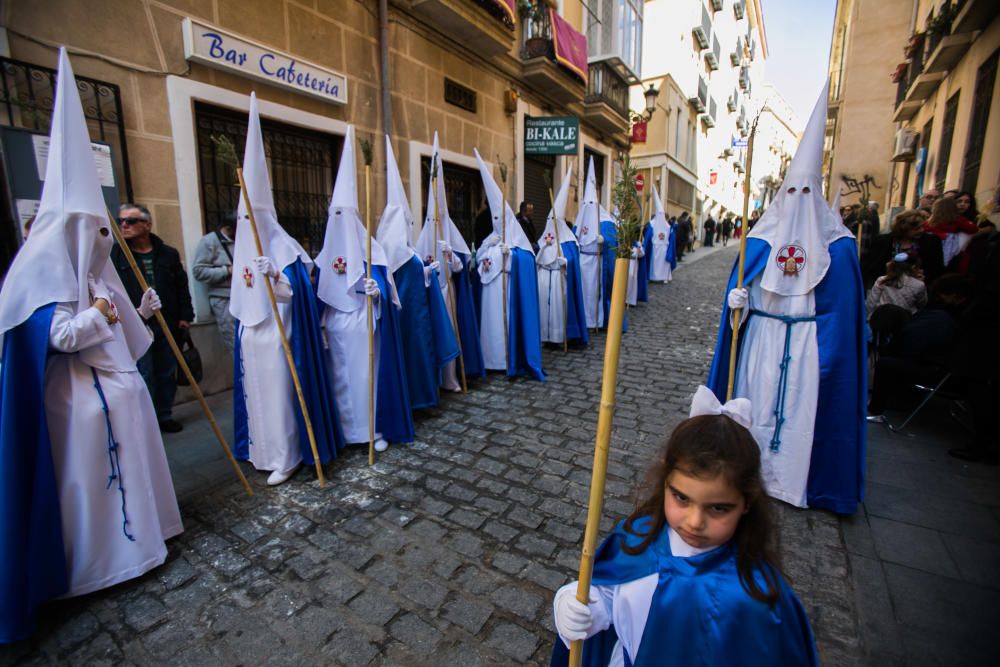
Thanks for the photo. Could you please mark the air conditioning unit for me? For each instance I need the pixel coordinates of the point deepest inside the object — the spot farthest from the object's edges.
(906, 145)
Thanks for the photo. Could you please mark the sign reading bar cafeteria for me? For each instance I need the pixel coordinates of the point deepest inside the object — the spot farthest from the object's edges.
(551, 135)
(211, 46)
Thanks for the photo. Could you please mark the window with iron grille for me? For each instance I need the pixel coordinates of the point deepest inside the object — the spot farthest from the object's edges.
(944, 150)
(985, 78)
(463, 188)
(301, 163)
(457, 94)
(27, 93)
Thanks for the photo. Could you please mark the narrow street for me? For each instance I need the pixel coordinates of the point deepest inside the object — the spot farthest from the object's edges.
(446, 552)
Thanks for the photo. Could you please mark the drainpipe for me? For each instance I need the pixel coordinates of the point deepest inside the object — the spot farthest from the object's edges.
(383, 55)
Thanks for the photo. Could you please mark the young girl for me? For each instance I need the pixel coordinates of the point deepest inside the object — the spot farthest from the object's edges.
(691, 577)
(900, 286)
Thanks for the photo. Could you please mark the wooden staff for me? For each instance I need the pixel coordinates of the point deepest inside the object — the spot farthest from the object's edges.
(181, 362)
(371, 323)
(562, 277)
(600, 261)
(284, 337)
(447, 275)
(737, 314)
(857, 238)
(503, 261)
(605, 416)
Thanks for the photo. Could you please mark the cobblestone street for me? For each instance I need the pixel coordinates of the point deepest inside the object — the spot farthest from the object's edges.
(446, 552)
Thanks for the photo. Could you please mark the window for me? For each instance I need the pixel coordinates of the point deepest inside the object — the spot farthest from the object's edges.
(614, 32)
(301, 163)
(598, 170)
(985, 77)
(677, 132)
(463, 189)
(944, 150)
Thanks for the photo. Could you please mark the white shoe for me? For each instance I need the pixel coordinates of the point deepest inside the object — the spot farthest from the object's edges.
(453, 390)
(381, 445)
(277, 477)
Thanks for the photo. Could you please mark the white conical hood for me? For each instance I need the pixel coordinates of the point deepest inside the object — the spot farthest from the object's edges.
(396, 223)
(71, 236)
(512, 235)
(661, 228)
(547, 248)
(835, 206)
(799, 225)
(426, 247)
(588, 226)
(249, 302)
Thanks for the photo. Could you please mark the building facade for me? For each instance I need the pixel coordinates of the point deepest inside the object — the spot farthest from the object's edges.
(166, 84)
(707, 59)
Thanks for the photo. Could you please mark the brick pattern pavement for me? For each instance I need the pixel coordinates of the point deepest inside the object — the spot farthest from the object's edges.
(445, 552)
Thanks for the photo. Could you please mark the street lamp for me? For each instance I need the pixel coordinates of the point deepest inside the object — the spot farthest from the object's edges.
(650, 94)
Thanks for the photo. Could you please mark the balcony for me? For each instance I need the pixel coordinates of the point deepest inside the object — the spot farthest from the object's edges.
(708, 120)
(948, 51)
(717, 5)
(745, 79)
(738, 166)
(605, 105)
(916, 85)
(738, 9)
(479, 22)
(712, 57)
(699, 100)
(731, 103)
(973, 15)
(541, 70)
(701, 32)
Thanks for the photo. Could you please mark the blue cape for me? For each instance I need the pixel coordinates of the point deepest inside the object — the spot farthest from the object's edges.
(393, 415)
(837, 466)
(643, 264)
(32, 557)
(466, 306)
(314, 375)
(700, 613)
(427, 336)
(576, 316)
(524, 328)
(608, 251)
(672, 247)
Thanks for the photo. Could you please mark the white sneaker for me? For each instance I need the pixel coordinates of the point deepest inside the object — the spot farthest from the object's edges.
(381, 445)
(277, 477)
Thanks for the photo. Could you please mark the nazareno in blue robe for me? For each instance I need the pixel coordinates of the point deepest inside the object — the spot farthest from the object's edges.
(314, 375)
(576, 316)
(643, 264)
(32, 557)
(609, 250)
(466, 309)
(524, 328)
(700, 613)
(837, 464)
(427, 336)
(672, 247)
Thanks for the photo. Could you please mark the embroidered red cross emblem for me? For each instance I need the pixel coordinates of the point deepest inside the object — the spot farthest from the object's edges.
(791, 259)
(248, 276)
(487, 264)
(340, 265)
(548, 238)
(662, 236)
(585, 230)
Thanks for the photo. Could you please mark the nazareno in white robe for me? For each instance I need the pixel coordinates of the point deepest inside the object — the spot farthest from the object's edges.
(785, 472)
(347, 341)
(659, 266)
(98, 553)
(268, 388)
(551, 294)
(590, 275)
(491, 331)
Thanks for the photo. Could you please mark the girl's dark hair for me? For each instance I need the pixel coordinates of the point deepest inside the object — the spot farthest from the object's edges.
(706, 447)
(973, 211)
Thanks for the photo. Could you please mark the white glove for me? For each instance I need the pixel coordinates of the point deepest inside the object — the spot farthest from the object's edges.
(561, 261)
(641, 251)
(444, 247)
(149, 303)
(504, 249)
(97, 291)
(371, 288)
(600, 239)
(635, 253)
(573, 618)
(431, 268)
(737, 298)
(265, 266)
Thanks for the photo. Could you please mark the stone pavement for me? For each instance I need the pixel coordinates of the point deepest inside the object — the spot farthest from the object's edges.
(447, 551)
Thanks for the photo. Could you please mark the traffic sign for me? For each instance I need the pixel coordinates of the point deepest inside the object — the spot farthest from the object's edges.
(739, 143)
(640, 182)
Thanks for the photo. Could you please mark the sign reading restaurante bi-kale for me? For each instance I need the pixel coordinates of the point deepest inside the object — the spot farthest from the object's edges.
(551, 135)
(211, 46)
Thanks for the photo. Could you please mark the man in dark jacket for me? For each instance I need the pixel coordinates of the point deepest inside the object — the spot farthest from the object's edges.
(682, 235)
(164, 272)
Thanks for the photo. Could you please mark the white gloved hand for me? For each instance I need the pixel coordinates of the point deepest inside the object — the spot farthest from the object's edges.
(600, 239)
(97, 291)
(573, 618)
(635, 253)
(371, 288)
(504, 249)
(444, 247)
(737, 298)
(149, 303)
(561, 261)
(641, 251)
(265, 266)
(431, 268)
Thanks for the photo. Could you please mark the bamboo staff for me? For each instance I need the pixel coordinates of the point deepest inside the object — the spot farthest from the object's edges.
(447, 273)
(600, 261)
(366, 152)
(562, 276)
(503, 259)
(181, 362)
(284, 337)
(737, 313)
(605, 416)
(857, 237)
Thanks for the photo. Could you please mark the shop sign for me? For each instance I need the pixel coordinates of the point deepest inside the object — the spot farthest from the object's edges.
(217, 48)
(739, 143)
(551, 135)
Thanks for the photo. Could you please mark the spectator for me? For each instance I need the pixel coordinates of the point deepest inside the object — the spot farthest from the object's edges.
(27, 226)
(524, 213)
(709, 228)
(682, 235)
(213, 266)
(873, 216)
(754, 217)
(907, 235)
(965, 202)
(948, 225)
(927, 200)
(900, 286)
(162, 268)
(727, 230)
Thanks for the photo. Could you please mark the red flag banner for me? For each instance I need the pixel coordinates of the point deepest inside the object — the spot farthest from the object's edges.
(570, 46)
(639, 132)
(508, 7)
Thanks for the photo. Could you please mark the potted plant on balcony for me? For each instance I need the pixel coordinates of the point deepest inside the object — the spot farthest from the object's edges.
(900, 71)
(537, 37)
(916, 39)
(940, 24)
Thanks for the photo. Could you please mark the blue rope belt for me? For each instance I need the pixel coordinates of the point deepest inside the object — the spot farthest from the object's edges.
(779, 408)
(116, 468)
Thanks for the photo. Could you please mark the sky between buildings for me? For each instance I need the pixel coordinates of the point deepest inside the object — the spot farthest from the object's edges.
(798, 39)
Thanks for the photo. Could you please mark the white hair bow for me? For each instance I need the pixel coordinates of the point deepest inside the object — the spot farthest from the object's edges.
(705, 403)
